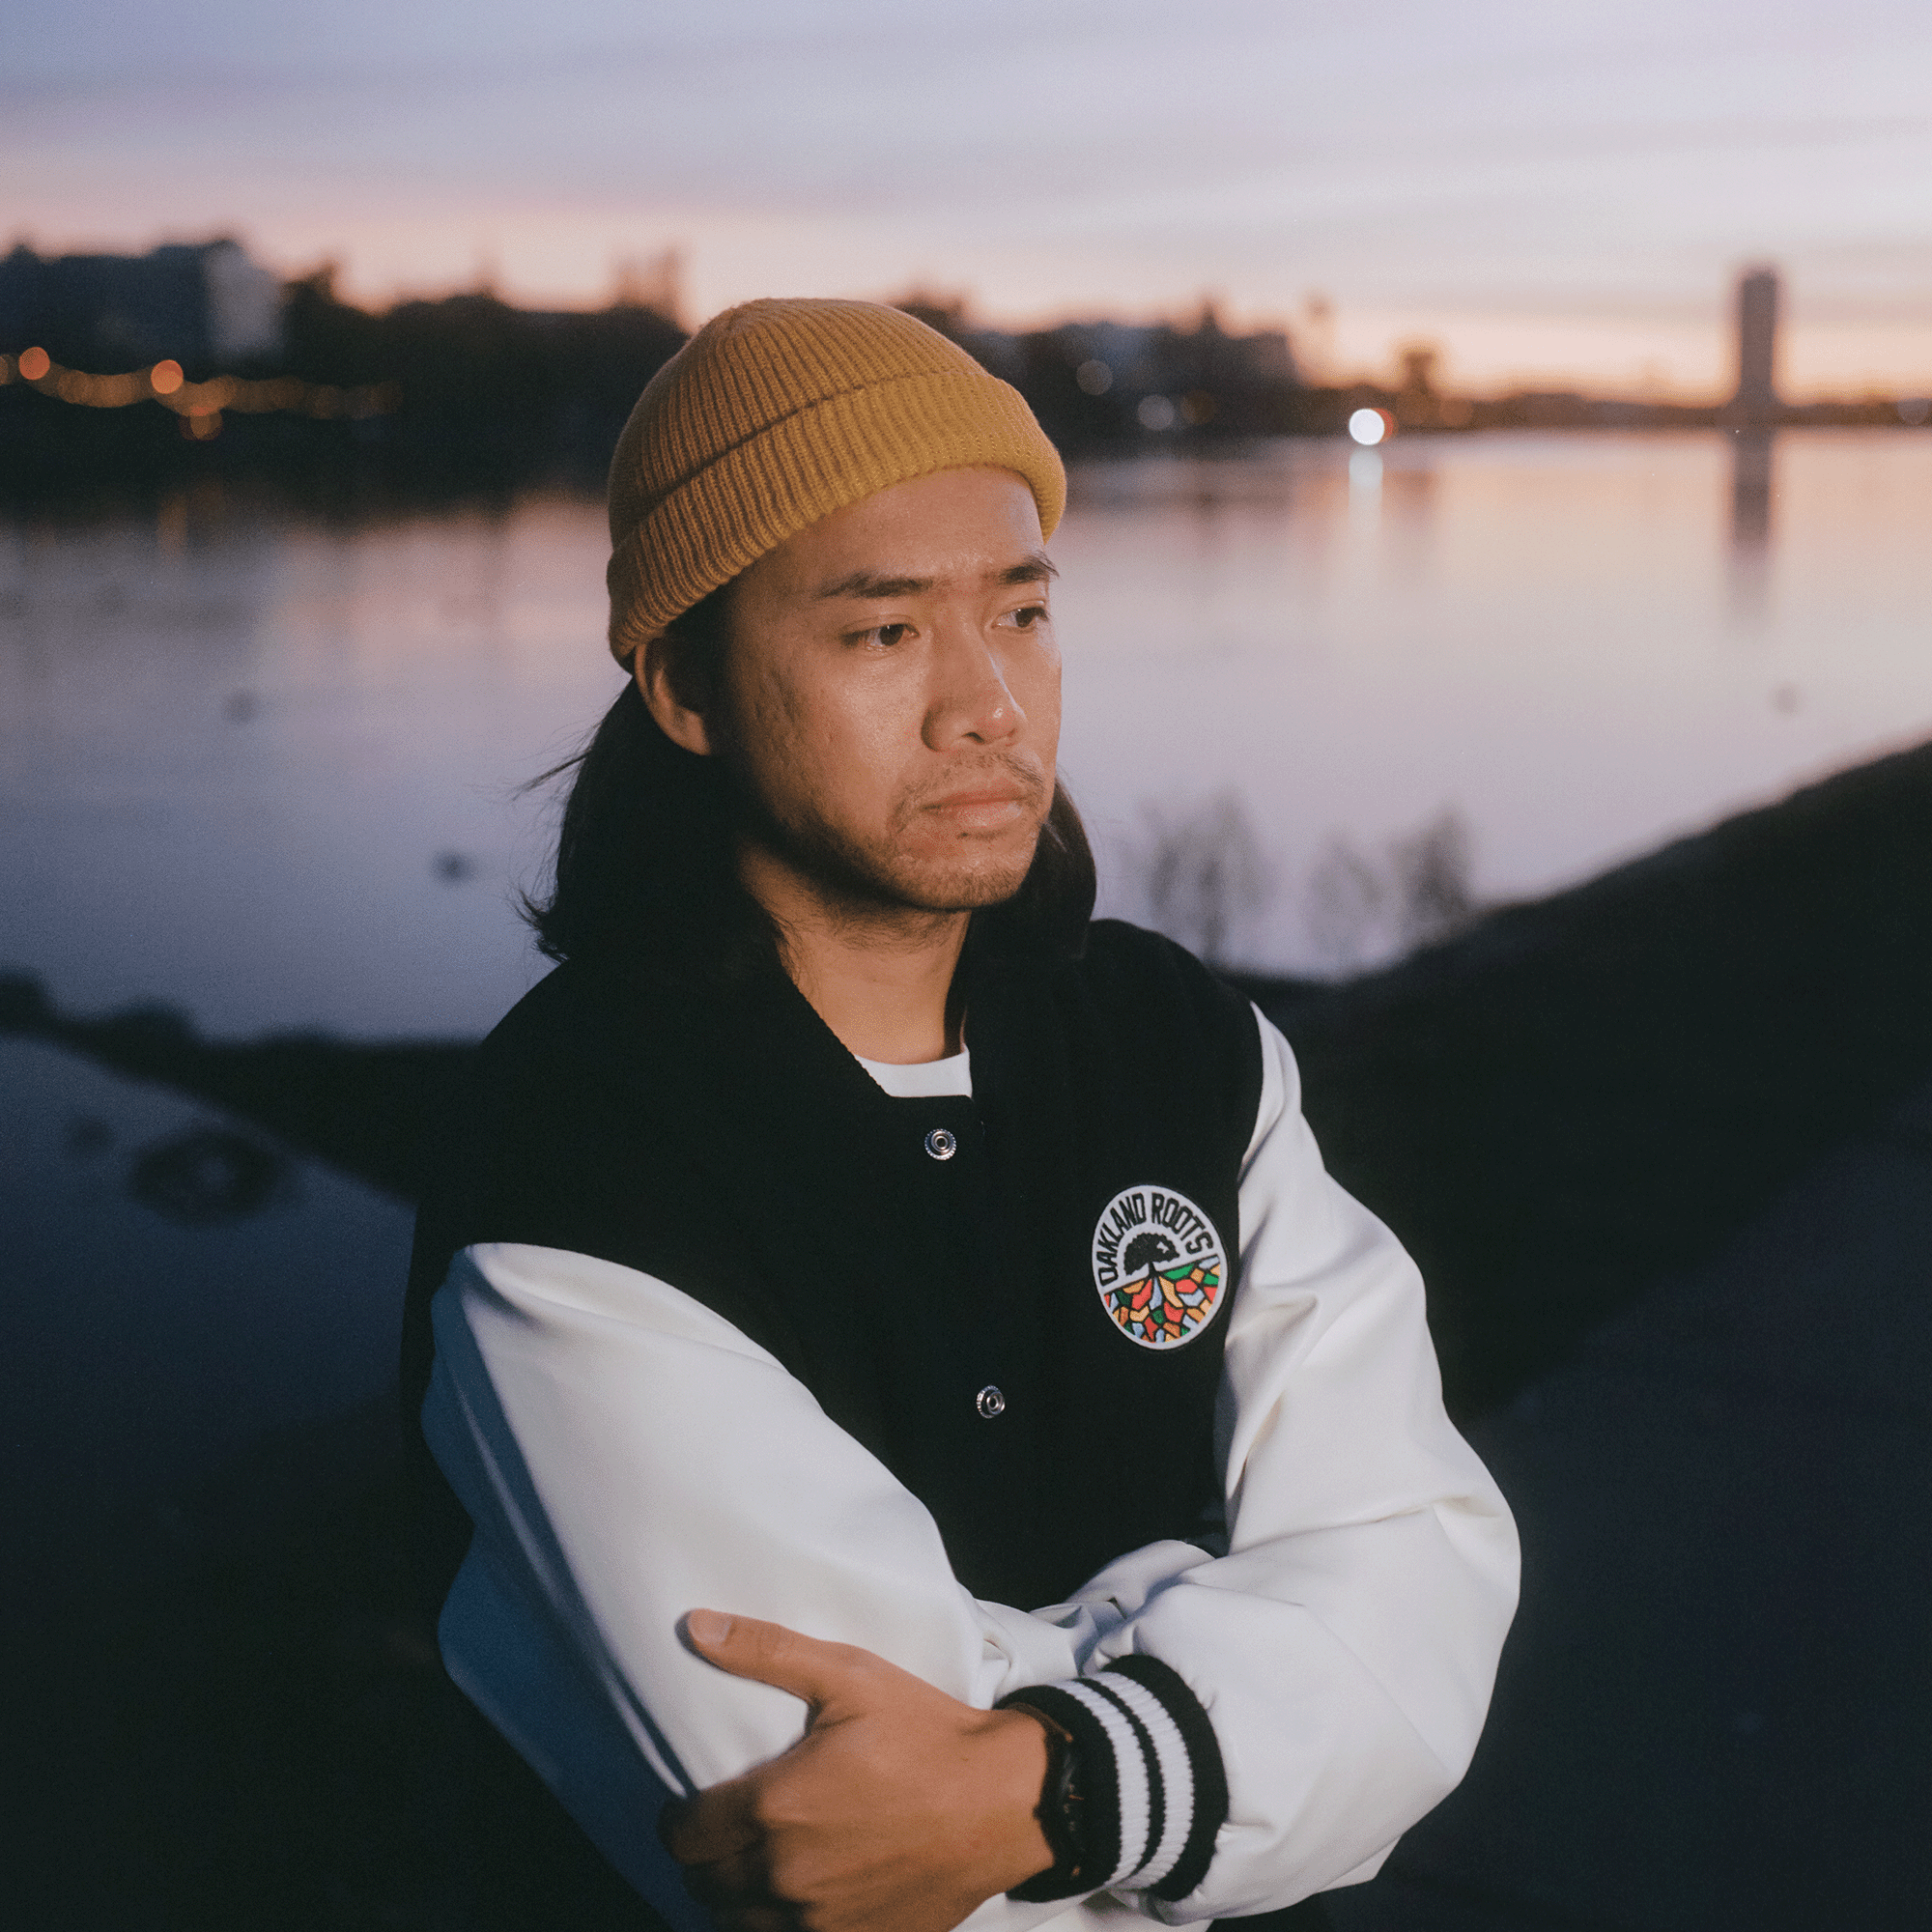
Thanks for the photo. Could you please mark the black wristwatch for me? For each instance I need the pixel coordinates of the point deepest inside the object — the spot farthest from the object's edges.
(1060, 1812)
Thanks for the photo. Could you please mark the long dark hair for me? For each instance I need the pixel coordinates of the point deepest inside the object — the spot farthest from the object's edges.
(646, 870)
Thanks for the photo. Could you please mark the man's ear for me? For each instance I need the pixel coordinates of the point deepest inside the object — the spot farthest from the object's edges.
(665, 685)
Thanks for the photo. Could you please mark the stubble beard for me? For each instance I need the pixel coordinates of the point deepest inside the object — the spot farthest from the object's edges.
(870, 881)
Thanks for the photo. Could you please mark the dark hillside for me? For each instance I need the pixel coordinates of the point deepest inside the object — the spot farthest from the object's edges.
(1582, 1093)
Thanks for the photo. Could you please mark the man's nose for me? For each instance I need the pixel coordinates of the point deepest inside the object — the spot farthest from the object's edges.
(971, 698)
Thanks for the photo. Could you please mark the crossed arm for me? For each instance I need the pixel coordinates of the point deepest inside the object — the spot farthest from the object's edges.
(629, 1457)
(901, 1809)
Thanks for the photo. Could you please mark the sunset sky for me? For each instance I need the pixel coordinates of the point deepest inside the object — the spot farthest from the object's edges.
(1553, 192)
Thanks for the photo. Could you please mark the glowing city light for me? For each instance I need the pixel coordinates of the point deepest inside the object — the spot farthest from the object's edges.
(1157, 412)
(199, 404)
(1094, 377)
(1368, 427)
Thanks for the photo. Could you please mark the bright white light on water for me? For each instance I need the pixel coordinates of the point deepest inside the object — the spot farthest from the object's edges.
(1368, 426)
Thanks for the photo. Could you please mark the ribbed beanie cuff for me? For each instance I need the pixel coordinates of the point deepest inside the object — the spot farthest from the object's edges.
(774, 415)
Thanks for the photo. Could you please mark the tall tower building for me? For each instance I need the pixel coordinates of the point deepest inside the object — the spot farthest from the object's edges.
(1757, 344)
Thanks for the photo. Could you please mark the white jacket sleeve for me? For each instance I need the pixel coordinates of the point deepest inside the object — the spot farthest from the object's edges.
(628, 1456)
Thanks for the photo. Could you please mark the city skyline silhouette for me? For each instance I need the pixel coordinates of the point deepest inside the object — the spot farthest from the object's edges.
(1555, 200)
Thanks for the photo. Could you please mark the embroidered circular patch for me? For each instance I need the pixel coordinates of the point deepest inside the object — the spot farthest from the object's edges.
(1158, 1265)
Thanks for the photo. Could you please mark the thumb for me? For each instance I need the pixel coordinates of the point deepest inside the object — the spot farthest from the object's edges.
(823, 1674)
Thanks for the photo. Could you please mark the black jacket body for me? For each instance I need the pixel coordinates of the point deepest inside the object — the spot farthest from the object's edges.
(722, 1140)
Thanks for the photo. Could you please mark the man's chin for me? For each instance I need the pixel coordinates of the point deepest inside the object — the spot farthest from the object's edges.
(898, 881)
(971, 886)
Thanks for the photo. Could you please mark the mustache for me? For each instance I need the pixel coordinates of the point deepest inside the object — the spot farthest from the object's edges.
(1026, 776)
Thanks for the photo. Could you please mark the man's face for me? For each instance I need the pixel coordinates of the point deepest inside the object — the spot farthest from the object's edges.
(890, 697)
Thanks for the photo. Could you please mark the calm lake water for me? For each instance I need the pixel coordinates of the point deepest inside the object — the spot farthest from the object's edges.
(265, 768)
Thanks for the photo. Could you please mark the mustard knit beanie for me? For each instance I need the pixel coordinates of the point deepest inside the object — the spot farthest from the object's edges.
(778, 414)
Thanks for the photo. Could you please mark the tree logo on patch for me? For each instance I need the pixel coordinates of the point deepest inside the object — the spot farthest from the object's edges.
(1158, 1265)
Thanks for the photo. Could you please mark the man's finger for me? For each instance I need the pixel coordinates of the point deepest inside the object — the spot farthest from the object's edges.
(762, 1916)
(734, 1881)
(771, 1654)
(720, 1823)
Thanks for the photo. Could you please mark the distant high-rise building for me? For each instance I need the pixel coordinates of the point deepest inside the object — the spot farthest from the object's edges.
(1757, 344)
(1417, 406)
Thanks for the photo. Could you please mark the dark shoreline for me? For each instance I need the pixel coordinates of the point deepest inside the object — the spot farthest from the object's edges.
(58, 460)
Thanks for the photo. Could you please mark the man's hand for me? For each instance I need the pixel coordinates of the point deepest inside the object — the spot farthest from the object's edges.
(899, 1810)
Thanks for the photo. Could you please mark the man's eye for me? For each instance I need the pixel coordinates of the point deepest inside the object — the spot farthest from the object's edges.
(1028, 616)
(889, 634)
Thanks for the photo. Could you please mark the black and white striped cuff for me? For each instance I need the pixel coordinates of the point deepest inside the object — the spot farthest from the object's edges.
(1152, 1789)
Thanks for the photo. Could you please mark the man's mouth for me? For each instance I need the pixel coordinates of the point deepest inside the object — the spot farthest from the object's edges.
(984, 804)
(980, 795)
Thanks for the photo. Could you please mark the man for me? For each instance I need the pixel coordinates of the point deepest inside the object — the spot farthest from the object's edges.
(850, 1250)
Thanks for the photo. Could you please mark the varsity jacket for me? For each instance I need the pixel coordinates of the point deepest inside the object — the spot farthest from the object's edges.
(1058, 1364)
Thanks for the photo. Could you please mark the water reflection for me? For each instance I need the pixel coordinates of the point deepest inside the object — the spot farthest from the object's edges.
(1409, 514)
(261, 764)
(1319, 701)
(1753, 453)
